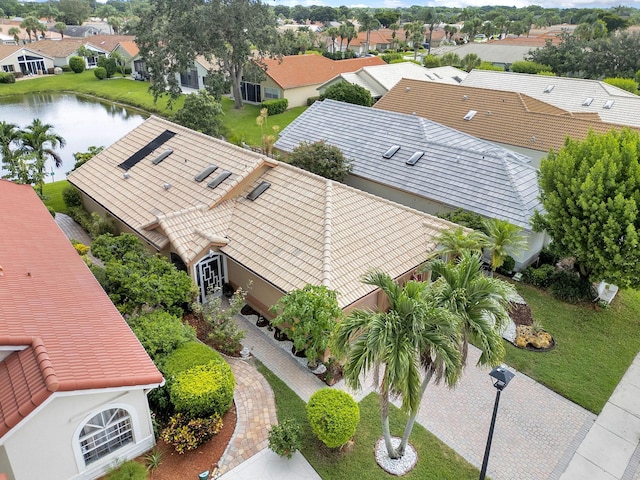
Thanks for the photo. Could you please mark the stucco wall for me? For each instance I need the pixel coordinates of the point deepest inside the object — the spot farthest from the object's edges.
(261, 294)
(298, 96)
(13, 59)
(46, 446)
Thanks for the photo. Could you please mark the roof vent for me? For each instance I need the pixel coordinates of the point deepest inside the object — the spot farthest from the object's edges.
(465, 97)
(391, 152)
(161, 157)
(259, 190)
(608, 104)
(205, 173)
(457, 78)
(470, 114)
(549, 88)
(166, 186)
(126, 175)
(587, 102)
(221, 177)
(414, 158)
(407, 89)
(438, 76)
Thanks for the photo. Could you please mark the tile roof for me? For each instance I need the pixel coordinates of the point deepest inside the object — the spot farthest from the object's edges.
(303, 229)
(64, 332)
(107, 42)
(506, 117)
(130, 46)
(457, 170)
(567, 94)
(6, 50)
(490, 52)
(58, 48)
(301, 70)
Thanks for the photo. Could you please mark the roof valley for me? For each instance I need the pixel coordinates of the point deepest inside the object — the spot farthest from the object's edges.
(326, 248)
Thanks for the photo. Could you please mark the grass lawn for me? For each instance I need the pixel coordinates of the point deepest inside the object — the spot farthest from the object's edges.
(241, 124)
(435, 459)
(594, 347)
(53, 195)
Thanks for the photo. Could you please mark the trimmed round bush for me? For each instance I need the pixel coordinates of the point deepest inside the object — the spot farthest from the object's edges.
(77, 64)
(334, 416)
(187, 356)
(100, 73)
(203, 390)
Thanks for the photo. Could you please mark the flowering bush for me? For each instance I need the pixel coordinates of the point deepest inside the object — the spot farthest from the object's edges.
(188, 434)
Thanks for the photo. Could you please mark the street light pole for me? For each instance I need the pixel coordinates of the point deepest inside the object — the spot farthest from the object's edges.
(502, 377)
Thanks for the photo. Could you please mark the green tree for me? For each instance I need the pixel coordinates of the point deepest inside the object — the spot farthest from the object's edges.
(628, 84)
(503, 238)
(454, 242)
(15, 32)
(39, 140)
(349, 93)
(412, 337)
(9, 136)
(308, 316)
(451, 59)
(470, 61)
(74, 12)
(431, 61)
(333, 33)
(228, 32)
(110, 64)
(83, 157)
(201, 112)
(30, 24)
(60, 27)
(416, 36)
(590, 191)
(322, 159)
(431, 18)
(368, 22)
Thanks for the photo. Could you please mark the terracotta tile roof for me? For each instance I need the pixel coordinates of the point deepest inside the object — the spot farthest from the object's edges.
(107, 42)
(301, 70)
(506, 117)
(58, 48)
(303, 229)
(130, 46)
(64, 332)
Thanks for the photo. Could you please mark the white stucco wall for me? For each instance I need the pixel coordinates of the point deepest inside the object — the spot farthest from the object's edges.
(46, 444)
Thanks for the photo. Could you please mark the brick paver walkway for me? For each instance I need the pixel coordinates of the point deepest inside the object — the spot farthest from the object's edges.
(73, 231)
(256, 412)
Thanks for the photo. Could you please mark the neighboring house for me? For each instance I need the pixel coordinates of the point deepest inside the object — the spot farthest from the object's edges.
(193, 79)
(379, 79)
(227, 214)
(73, 377)
(28, 61)
(380, 40)
(576, 95)
(297, 77)
(61, 50)
(512, 120)
(497, 53)
(130, 53)
(79, 31)
(435, 168)
(7, 39)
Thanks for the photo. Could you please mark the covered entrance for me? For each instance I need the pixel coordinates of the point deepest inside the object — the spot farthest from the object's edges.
(210, 273)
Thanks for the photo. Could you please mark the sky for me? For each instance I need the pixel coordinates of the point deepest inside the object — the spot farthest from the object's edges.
(464, 3)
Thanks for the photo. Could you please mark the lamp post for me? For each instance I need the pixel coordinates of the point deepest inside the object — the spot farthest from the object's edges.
(501, 378)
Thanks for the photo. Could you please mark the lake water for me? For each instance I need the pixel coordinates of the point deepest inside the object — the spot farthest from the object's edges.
(81, 121)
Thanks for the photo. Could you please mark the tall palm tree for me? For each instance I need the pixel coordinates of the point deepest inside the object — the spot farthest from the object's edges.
(412, 336)
(351, 33)
(333, 33)
(15, 31)
(455, 241)
(39, 140)
(479, 302)
(9, 135)
(31, 25)
(504, 238)
(368, 22)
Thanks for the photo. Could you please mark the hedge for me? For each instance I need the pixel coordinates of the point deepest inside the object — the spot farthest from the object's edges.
(100, 73)
(160, 333)
(189, 355)
(276, 106)
(334, 416)
(7, 77)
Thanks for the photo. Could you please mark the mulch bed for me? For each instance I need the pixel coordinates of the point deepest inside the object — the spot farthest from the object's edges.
(521, 314)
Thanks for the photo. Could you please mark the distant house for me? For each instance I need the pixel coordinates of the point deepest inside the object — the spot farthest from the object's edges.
(379, 79)
(513, 120)
(79, 31)
(425, 165)
(130, 53)
(498, 53)
(7, 39)
(62, 50)
(73, 377)
(23, 59)
(229, 215)
(580, 97)
(297, 77)
(193, 79)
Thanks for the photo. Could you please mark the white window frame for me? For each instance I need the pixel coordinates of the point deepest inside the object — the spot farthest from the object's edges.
(111, 430)
(8, 68)
(269, 93)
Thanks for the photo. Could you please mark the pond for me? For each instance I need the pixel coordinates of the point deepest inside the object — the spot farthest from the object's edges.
(81, 121)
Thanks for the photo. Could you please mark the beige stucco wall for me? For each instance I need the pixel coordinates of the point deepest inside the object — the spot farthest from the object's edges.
(46, 445)
(13, 59)
(261, 294)
(298, 96)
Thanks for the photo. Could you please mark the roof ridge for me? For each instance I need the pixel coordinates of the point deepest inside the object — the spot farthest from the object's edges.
(44, 362)
(326, 245)
(522, 207)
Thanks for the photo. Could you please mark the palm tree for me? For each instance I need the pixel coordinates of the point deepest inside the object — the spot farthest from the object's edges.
(413, 336)
(431, 18)
(31, 25)
(480, 303)
(394, 28)
(503, 238)
(454, 242)
(470, 61)
(60, 27)
(333, 33)
(368, 22)
(9, 135)
(15, 31)
(39, 140)
(350, 33)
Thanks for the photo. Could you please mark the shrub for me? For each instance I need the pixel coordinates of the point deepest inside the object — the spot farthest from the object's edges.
(100, 73)
(81, 216)
(388, 57)
(333, 415)
(276, 106)
(130, 470)
(466, 219)
(538, 277)
(71, 197)
(160, 333)
(101, 225)
(431, 61)
(108, 247)
(203, 390)
(489, 66)
(284, 438)
(628, 84)
(52, 211)
(322, 159)
(547, 257)
(189, 355)
(109, 64)
(507, 266)
(570, 287)
(7, 77)
(524, 66)
(76, 64)
(188, 434)
(312, 100)
(348, 92)
(80, 247)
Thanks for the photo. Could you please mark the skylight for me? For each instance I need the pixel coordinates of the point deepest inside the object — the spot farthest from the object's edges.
(470, 115)
(146, 150)
(205, 173)
(457, 78)
(587, 102)
(162, 156)
(549, 88)
(221, 177)
(391, 152)
(414, 158)
(259, 190)
(608, 104)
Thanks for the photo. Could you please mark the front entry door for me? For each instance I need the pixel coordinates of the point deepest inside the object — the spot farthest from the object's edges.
(210, 275)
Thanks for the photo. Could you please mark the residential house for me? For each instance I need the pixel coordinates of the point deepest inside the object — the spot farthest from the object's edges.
(24, 60)
(379, 79)
(193, 79)
(73, 377)
(7, 39)
(130, 54)
(297, 77)
(576, 95)
(230, 215)
(62, 50)
(513, 120)
(79, 31)
(425, 165)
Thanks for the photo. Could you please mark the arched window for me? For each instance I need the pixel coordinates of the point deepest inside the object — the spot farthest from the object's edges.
(104, 433)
